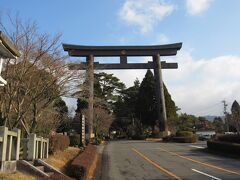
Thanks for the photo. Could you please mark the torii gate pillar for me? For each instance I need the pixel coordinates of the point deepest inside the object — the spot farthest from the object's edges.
(161, 107)
(90, 83)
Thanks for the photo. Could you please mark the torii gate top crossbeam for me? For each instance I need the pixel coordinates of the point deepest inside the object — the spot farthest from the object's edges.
(101, 51)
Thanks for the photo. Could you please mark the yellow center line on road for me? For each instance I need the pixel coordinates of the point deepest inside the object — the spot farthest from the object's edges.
(199, 162)
(156, 165)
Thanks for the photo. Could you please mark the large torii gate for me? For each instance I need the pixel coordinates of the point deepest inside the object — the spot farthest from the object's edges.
(123, 52)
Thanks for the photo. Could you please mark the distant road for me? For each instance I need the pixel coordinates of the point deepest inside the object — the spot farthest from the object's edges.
(126, 160)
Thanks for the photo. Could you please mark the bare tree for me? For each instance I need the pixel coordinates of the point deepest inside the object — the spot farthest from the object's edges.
(35, 79)
(102, 122)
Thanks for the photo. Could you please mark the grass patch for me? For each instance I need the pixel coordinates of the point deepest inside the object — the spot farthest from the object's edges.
(61, 159)
(16, 175)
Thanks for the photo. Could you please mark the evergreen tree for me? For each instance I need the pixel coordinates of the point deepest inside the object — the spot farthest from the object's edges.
(107, 86)
(125, 108)
(77, 120)
(147, 106)
(171, 108)
(236, 115)
(218, 125)
(81, 104)
(62, 115)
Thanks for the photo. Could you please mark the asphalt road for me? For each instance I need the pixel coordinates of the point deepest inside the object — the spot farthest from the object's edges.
(123, 160)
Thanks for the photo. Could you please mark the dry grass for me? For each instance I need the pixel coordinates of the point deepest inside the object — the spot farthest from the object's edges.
(154, 139)
(16, 175)
(61, 158)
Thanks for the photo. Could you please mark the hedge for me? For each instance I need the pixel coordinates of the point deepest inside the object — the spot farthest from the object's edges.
(79, 167)
(75, 140)
(187, 139)
(184, 134)
(229, 138)
(58, 142)
(225, 147)
(138, 137)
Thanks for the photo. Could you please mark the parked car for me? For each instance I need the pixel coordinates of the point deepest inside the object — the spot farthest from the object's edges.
(204, 137)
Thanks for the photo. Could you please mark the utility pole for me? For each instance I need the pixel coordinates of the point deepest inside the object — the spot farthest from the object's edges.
(225, 115)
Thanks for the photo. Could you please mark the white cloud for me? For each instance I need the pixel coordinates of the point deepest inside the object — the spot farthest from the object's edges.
(71, 103)
(162, 39)
(199, 86)
(144, 13)
(195, 7)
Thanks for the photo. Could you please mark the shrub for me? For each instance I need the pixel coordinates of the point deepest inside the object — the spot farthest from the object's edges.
(186, 139)
(138, 137)
(229, 138)
(75, 140)
(96, 141)
(168, 138)
(80, 165)
(226, 147)
(58, 142)
(184, 134)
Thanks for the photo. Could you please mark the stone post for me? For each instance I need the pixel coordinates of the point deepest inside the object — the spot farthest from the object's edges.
(32, 147)
(10, 148)
(82, 134)
(162, 117)
(47, 146)
(37, 149)
(17, 143)
(3, 134)
(41, 148)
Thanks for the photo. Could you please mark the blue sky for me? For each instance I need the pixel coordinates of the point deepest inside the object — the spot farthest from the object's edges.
(209, 30)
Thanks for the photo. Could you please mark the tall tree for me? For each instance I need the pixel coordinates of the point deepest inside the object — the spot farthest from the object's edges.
(236, 115)
(218, 124)
(106, 89)
(62, 115)
(147, 106)
(125, 108)
(82, 105)
(102, 122)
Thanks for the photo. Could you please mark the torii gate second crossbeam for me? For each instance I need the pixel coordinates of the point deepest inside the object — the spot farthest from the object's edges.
(123, 52)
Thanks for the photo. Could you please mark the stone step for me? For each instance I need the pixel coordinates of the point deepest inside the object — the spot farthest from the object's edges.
(31, 162)
(50, 173)
(40, 168)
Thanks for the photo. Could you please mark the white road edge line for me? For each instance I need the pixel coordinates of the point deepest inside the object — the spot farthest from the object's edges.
(200, 172)
(200, 147)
